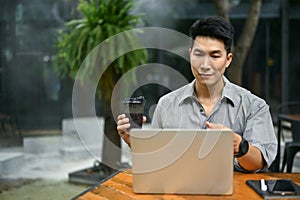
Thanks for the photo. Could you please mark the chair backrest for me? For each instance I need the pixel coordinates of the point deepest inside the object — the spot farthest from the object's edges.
(290, 108)
(295, 128)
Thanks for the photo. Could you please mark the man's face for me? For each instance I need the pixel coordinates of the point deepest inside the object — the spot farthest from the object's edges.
(209, 60)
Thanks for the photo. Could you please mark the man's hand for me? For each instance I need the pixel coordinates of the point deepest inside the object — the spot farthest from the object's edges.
(236, 137)
(123, 127)
(251, 161)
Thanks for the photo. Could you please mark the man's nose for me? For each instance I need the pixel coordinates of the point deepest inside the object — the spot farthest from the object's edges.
(206, 63)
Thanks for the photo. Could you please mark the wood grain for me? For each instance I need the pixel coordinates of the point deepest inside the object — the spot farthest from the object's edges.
(120, 187)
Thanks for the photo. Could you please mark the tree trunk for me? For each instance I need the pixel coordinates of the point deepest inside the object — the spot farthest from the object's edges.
(111, 152)
(222, 7)
(241, 49)
(245, 40)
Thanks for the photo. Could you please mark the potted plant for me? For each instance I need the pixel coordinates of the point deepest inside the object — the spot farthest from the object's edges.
(101, 19)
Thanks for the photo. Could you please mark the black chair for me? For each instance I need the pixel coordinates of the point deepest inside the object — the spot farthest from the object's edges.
(291, 147)
(9, 126)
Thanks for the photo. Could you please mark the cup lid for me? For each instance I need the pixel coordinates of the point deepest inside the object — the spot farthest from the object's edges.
(140, 99)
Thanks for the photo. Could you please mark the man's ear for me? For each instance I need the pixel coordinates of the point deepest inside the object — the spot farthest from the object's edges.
(228, 59)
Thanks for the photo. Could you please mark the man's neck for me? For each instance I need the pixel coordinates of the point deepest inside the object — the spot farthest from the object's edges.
(206, 94)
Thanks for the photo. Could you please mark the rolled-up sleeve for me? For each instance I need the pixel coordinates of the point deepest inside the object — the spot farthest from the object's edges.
(259, 131)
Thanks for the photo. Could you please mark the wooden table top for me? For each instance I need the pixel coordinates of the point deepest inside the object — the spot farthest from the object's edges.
(289, 117)
(119, 186)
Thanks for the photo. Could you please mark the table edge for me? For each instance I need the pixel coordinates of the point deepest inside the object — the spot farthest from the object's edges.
(97, 184)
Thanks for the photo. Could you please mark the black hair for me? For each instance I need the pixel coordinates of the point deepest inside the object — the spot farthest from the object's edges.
(214, 27)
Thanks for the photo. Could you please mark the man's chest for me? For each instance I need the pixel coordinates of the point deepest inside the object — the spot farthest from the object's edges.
(194, 115)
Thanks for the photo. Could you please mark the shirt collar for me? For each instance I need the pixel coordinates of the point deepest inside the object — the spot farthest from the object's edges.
(189, 92)
(228, 92)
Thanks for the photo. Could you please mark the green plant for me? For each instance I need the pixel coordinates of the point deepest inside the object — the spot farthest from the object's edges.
(101, 19)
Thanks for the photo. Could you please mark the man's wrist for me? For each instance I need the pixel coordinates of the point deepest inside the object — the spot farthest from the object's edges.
(243, 148)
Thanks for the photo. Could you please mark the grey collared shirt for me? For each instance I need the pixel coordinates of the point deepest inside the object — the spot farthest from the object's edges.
(238, 109)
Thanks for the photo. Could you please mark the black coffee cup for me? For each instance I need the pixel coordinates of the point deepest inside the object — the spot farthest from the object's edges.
(134, 110)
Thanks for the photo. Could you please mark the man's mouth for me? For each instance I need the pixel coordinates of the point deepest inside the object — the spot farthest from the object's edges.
(205, 75)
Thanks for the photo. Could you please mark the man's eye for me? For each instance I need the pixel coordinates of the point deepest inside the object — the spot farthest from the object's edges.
(198, 54)
(216, 56)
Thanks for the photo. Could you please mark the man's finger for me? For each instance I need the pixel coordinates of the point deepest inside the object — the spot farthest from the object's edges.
(144, 119)
(122, 116)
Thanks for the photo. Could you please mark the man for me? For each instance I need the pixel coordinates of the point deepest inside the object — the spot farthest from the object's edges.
(211, 101)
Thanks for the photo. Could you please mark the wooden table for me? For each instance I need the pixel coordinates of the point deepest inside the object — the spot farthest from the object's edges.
(119, 186)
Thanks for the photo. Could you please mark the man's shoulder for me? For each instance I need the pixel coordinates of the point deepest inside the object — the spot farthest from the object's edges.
(177, 94)
(236, 89)
(240, 93)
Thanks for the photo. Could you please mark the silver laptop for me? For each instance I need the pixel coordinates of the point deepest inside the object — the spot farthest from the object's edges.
(182, 161)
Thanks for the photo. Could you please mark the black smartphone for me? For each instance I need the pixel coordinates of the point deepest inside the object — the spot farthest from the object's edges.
(282, 187)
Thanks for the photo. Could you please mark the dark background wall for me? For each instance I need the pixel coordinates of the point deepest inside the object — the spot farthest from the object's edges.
(31, 90)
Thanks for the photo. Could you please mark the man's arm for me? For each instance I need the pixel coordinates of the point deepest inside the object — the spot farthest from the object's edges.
(252, 160)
